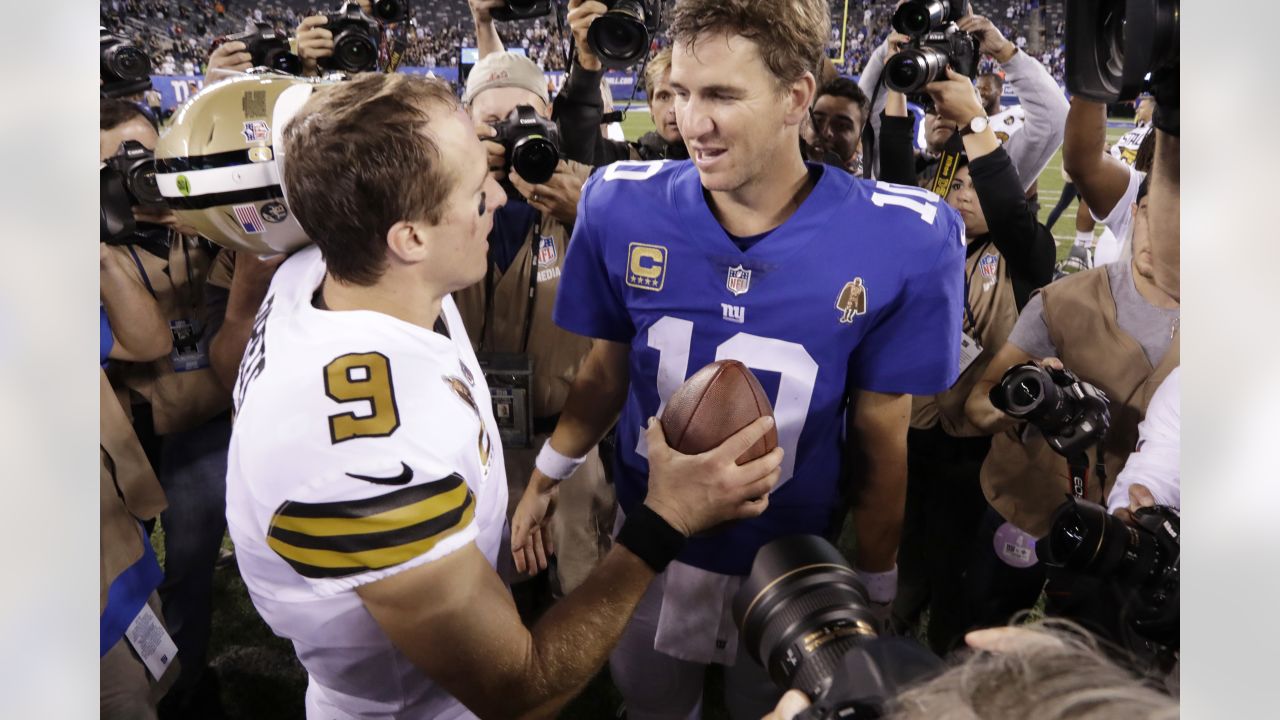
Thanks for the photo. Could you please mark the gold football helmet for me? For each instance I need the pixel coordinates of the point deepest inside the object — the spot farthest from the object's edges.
(219, 163)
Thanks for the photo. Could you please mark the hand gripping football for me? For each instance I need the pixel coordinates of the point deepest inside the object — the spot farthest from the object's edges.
(712, 405)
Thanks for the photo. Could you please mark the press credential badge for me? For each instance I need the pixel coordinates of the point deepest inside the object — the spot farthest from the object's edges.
(151, 642)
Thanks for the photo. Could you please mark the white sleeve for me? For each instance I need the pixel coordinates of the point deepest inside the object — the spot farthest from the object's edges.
(1120, 220)
(1155, 464)
(1046, 111)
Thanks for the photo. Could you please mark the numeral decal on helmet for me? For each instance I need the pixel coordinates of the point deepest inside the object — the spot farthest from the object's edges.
(361, 377)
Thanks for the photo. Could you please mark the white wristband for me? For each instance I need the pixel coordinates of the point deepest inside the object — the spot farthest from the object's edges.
(882, 587)
(554, 465)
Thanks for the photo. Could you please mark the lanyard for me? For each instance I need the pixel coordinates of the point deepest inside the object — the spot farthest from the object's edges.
(489, 283)
(968, 281)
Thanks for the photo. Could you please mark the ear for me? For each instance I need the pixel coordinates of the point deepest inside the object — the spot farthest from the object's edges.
(407, 243)
(798, 98)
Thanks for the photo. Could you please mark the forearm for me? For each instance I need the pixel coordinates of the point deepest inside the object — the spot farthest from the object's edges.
(878, 436)
(595, 400)
(1046, 116)
(1011, 226)
(227, 348)
(573, 639)
(140, 330)
(979, 410)
(487, 40)
(897, 162)
(1100, 179)
(579, 111)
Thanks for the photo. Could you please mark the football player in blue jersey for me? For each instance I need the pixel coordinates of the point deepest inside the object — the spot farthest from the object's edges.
(843, 295)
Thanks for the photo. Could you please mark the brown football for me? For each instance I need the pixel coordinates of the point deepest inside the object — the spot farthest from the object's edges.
(712, 405)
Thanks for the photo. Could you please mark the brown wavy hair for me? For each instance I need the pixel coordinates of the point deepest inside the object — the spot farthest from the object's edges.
(791, 34)
(357, 162)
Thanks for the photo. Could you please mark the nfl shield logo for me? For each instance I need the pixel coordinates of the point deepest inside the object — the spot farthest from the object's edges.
(739, 280)
(546, 251)
(988, 265)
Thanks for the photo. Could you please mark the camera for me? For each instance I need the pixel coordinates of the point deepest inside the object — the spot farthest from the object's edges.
(532, 143)
(1113, 44)
(1072, 414)
(127, 180)
(804, 616)
(390, 11)
(936, 43)
(1142, 559)
(124, 69)
(267, 48)
(620, 37)
(355, 40)
(521, 10)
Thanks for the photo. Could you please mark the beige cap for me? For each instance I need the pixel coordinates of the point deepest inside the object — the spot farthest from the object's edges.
(505, 69)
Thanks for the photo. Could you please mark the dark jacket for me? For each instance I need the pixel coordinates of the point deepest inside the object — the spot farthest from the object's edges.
(579, 112)
(1021, 239)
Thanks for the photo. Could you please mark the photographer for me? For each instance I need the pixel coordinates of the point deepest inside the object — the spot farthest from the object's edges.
(1045, 107)
(509, 311)
(314, 42)
(1107, 183)
(402, 612)
(579, 107)
(1009, 256)
(180, 398)
(839, 114)
(1116, 329)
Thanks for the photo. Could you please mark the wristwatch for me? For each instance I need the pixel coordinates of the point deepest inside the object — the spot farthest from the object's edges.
(976, 125)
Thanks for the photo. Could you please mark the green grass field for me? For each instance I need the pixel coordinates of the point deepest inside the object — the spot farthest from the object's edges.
(261, 677)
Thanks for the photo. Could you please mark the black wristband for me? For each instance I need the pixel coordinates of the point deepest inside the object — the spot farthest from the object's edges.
(651, 538)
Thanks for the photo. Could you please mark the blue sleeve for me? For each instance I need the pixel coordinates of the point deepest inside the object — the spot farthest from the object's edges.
(915, 347)
(589, 302)
(106, 341)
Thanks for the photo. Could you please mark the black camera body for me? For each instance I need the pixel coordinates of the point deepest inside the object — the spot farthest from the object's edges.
(521, 10)
(124, 68)
(532, 144)
(1143, 559)
(927, 57)
(804, 615)
(620, 37)
(1070, 413)
(267, 48)
(127, 180)
(356, 39)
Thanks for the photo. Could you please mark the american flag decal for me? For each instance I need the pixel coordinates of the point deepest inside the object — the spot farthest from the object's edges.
(247, 216)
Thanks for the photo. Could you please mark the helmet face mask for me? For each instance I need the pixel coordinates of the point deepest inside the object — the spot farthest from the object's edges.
(217, 164)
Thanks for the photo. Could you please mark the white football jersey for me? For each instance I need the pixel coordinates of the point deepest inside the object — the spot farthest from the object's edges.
(1006, 123)
(363, 446)
(1126, 148)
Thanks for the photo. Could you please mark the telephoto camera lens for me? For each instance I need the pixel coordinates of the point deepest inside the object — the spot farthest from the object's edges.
(1084, 538)
(535, 158)
(910, 70)
(121, 61)
(619, 37)
(354, 52)
(919, 16)
(390, 11)
(800, 610)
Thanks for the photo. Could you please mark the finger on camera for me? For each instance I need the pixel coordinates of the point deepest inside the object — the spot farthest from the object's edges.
(738, 443)
(1053, 362)
(526, 188)
(1140, 497)
(312, 21)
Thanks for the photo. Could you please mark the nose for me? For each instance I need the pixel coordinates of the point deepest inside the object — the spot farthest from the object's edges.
(694, 121)
(496, 192)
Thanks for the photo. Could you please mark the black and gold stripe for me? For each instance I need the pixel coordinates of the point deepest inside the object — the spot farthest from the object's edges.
(328, 540)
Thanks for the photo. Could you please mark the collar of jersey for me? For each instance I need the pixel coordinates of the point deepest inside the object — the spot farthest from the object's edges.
(809, 220)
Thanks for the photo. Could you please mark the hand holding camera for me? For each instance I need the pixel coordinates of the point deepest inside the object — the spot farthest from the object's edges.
(264, 47)
(231, 56)
(937, 42)
(1071, 413)
(582, 13)
(991, 41)
(558, 196)
(314, 42)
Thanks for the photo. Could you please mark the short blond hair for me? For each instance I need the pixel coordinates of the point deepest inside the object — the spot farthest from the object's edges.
(658, 66)
(791, 34)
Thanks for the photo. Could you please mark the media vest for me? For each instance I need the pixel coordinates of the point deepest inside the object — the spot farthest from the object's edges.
(1025, 480)
(186, 399)
(510, 312)
(990, 300)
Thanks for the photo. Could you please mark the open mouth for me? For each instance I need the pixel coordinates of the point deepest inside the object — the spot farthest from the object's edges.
(708, 157)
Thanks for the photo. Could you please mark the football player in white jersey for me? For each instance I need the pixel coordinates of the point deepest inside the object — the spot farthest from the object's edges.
(366, 494)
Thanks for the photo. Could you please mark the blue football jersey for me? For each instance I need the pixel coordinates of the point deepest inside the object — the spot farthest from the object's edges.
(861, 288)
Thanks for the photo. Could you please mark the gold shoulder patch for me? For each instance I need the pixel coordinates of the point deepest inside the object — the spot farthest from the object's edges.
(337, 539)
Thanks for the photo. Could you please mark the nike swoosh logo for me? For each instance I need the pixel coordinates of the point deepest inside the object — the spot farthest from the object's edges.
(402, 479)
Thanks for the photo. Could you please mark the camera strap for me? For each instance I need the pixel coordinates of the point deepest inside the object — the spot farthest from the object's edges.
(948, 166)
